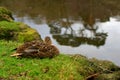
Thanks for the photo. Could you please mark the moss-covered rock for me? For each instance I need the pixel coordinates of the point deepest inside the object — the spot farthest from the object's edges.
(5, 15)
(27, 35)
(10, 30)
(17, 31)
(109, 76)
(108, 70)
(93, 69)
(105, 64)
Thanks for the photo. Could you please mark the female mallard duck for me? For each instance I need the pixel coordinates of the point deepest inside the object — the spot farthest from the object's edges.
(39, 49)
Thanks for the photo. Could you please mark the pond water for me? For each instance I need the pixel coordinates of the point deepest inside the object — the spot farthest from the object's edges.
(90, 28)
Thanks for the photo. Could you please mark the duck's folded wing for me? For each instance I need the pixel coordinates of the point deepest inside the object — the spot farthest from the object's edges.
(30, 50)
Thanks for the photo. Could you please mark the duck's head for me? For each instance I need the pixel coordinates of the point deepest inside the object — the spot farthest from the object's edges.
(48, 40)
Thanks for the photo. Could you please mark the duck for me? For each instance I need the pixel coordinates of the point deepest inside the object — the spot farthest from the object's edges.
(37, 49)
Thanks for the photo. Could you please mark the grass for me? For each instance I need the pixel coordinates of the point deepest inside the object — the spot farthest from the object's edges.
(62, 67)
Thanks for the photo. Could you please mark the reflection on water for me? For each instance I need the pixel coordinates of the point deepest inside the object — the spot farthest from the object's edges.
(75, 35)
(90, 27)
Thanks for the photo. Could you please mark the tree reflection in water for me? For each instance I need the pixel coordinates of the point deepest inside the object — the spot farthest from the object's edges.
(64, 34)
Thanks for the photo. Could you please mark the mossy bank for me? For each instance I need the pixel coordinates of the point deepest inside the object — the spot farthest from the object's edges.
(17, 31)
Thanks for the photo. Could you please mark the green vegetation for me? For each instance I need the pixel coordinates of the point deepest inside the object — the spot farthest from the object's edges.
(5, 14)
(28, 34)
(62, 67)
(10, 30)
(17, 31)
(5, 11)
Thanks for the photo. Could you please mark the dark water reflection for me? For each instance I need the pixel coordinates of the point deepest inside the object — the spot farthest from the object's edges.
(90, 27)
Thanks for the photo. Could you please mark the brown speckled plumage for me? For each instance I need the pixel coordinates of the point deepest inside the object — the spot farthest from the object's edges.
(37, 49)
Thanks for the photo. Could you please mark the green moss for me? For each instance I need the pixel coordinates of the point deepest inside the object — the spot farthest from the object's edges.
(110, 76)
(8, 29)
(107, 65)
(5, 15)
(9, 25)
(28, 35)
(4, 11)
(17, 31)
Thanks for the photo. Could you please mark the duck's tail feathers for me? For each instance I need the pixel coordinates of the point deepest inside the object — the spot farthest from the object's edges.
(15, 54)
